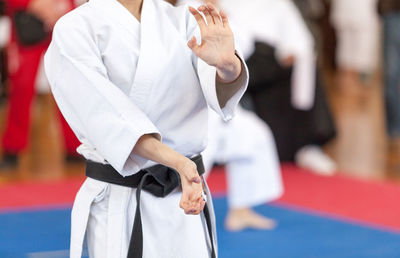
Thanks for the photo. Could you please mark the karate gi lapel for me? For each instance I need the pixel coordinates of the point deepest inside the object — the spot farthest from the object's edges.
(115, 11)
(149, 43)
(152, 52)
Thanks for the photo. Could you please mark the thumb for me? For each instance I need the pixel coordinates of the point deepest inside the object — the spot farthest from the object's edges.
(192, 44)
(194, 177)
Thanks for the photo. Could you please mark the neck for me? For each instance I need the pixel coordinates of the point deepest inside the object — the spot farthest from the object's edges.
(133, 6)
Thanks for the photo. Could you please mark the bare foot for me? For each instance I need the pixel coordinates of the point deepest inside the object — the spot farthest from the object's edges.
(240, 219)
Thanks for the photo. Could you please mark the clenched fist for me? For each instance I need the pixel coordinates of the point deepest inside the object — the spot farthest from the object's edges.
(192, 201)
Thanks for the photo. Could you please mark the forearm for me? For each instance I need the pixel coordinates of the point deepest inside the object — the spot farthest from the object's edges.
(151, 148)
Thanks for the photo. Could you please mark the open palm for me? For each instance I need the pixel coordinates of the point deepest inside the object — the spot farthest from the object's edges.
(217, 43)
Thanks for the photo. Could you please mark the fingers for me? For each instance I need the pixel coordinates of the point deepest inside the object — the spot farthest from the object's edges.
(192, 199)
(198, 17)
(224, 18)
(207, 14)
(192, 189)
(194, 207)
(202, 204)
(210, 13)
(213, 11)
(191, 208)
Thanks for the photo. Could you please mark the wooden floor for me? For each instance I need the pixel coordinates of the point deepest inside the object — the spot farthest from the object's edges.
(43, 159)
(360, 148)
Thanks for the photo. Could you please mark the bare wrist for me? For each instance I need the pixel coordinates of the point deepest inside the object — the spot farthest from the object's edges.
(229, 70)
(180, 163)
(187, 170)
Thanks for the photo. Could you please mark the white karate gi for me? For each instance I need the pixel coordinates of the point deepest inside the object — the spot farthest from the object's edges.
(247, 147)
(357, 26)
(116, 79)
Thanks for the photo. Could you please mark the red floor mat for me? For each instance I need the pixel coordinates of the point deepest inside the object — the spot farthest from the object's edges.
(30, 195)
(373, 202)
(369, 202)
(376, 203)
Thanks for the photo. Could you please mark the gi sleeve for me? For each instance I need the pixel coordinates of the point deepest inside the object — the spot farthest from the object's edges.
(222, 98)
(96, 109)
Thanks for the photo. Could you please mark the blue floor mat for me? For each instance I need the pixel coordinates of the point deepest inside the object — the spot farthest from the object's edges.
(45, 233)
(301, 235)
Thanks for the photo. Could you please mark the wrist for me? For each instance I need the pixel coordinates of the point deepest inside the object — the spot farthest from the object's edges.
(229, 69)
(187, 170)
(180, 163)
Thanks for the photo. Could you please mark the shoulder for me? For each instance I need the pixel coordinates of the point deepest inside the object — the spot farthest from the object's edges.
(79, 19)
(77, 28)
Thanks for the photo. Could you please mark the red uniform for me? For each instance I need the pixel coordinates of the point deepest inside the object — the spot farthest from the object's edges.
(23, 68)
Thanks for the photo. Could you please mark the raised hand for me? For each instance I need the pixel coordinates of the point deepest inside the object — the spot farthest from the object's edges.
(217, 42)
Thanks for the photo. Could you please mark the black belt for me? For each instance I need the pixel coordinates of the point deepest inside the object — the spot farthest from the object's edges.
(158, 180)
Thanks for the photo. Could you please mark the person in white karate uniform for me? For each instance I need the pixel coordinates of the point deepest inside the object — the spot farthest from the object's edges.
(284, 29)
(5, 34)
(134, 84)
(247, 148)
(357, 27)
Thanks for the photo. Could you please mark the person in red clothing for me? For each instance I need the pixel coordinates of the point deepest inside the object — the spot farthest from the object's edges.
(24, 60)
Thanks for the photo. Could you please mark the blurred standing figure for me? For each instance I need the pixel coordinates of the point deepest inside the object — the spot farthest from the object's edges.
(247, 148)
(312, 11)
(32, 22)
(357, 27)
(390, 11)
(4, 39)
(284, 87)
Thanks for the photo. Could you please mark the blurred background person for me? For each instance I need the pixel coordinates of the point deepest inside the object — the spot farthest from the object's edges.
(247, 148)
(390, 12)
(357, 29)
(313, 12)
(32, 22)
(285, 89)
(5, 26)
